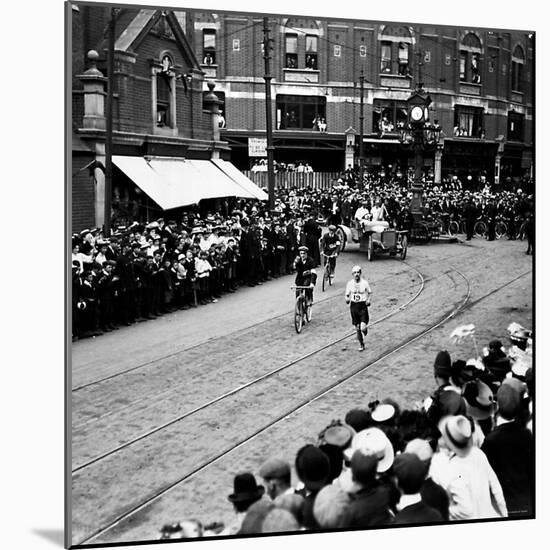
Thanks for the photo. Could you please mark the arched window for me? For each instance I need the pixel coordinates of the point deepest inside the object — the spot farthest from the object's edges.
(470, 58)
(518, 60)
(395, 50)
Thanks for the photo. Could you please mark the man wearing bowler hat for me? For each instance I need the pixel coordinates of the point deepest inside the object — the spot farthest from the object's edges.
(245, 493)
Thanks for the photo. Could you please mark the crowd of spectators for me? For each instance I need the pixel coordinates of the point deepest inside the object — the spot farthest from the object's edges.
(149, 269)
(464, 453)
(300, 167)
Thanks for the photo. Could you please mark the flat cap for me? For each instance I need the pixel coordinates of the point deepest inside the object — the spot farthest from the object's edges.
(275, 468)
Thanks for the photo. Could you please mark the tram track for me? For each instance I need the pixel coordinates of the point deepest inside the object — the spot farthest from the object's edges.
(457, 306)
(233, 391)
(185, 349)
(129, 512)
(192, 347)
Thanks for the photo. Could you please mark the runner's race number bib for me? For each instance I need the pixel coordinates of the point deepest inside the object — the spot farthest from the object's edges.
(356, 297)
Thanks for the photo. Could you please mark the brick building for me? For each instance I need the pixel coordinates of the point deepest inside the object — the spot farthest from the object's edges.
(166, 149)
(481, 83)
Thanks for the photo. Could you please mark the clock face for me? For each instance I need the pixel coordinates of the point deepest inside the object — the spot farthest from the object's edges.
(417, 113)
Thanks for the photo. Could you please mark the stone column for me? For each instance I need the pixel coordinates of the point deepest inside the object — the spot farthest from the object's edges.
(94, 84)
(212, 104)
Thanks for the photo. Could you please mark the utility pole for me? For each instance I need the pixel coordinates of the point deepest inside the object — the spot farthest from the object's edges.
(419, 82)
(109, 126)
(268, 118)
(361, 118)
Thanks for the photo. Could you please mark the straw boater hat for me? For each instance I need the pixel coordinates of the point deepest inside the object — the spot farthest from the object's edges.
(457, 434)
(373, 441)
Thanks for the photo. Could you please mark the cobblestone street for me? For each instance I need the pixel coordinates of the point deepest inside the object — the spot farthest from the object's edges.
(153, 435)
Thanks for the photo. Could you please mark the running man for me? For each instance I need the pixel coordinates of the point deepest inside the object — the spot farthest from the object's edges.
(329, 245)
(358, 292)
(305, 272)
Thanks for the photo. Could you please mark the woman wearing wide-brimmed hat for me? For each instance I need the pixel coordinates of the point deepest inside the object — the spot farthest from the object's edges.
(463, 470)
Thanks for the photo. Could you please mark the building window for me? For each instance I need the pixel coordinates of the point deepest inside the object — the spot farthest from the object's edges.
(518, 60)
(300, 112)
(385, 58)
(470, 56)
(209, 46)
(291, 51)
(165, 84)
(388, 116)
(468, 122)
(403, 58)
(395, 45)
(311, 52)
(515, 126)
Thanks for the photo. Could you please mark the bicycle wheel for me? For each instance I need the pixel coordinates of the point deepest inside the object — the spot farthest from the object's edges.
(453, 227)
(308, 311)
(326, 277)
(404, 246)
(500, 230)
(522, 231)
(298, 315)
(341, 237)
(480, 229)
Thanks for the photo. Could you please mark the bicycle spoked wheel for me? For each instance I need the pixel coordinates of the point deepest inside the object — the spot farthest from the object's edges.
(500, 230)
(308, 313)
(298, 316)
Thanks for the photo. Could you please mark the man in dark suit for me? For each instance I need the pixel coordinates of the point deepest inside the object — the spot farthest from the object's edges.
(411, 472)
(510, 451)
(313, 232)
(470, 213)
(371, 502)
(491, 215)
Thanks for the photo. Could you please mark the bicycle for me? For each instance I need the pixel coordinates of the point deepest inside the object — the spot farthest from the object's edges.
(302, 308)
(501, 229)
(480, 228)
(328, 273)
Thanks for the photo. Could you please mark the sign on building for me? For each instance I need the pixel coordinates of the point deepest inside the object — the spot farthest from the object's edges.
(257, 147)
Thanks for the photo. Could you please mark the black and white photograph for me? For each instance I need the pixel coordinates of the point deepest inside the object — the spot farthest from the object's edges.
(300, 274)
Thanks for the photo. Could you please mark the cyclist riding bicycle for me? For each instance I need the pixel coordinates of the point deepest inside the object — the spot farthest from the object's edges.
(305, 272)
(329, 245)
